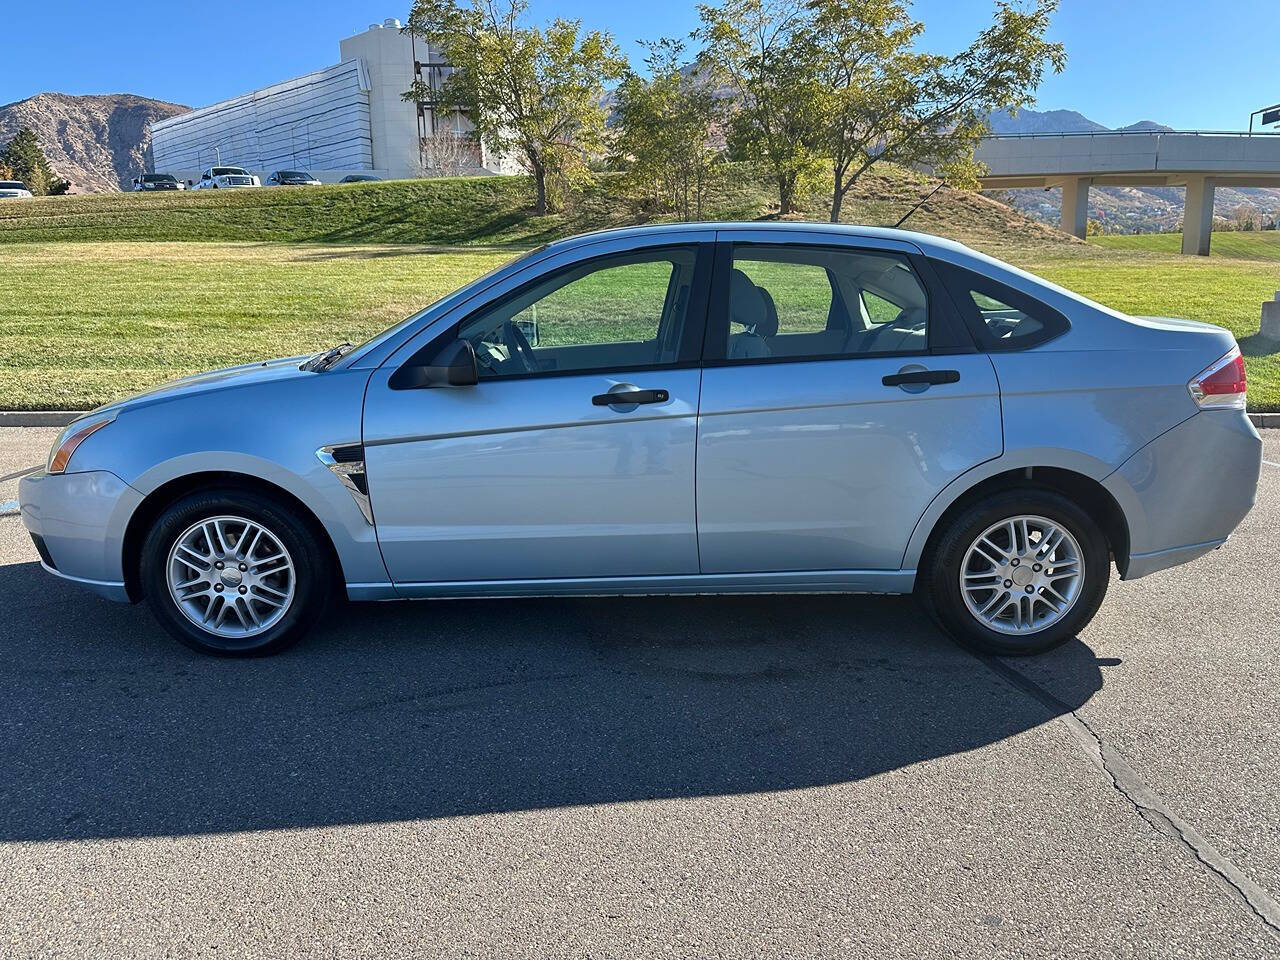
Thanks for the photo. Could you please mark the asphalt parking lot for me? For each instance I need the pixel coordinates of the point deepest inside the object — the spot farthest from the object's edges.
(802, 776)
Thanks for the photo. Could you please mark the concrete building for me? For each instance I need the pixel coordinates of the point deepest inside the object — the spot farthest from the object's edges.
(348, 118)
(1077, 161)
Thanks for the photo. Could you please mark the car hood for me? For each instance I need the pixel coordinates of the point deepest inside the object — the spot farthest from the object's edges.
(284, 368)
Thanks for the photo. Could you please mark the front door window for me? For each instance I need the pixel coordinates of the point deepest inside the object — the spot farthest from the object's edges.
(627, 312)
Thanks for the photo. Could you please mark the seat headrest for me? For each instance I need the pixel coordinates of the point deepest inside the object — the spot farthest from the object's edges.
(746, 304)
(768, 327)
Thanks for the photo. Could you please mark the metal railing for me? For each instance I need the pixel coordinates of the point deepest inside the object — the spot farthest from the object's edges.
(1134, 133)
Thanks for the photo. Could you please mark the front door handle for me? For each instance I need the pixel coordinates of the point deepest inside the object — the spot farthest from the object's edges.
(927, 377)
(622, 397)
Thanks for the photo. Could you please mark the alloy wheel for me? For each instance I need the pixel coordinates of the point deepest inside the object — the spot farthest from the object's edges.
(1022, 575)
(231, 577)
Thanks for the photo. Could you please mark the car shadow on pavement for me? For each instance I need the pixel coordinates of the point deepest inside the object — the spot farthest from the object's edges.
(447, 708)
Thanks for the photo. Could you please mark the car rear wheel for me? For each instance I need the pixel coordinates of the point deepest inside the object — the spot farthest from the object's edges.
(233, 573)
(1017, 574)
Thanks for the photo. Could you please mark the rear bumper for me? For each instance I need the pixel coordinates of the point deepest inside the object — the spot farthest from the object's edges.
(80, 521)
(1184, 492)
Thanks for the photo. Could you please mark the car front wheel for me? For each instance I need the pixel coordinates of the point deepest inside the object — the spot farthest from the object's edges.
(233, 573)
(1018, 573)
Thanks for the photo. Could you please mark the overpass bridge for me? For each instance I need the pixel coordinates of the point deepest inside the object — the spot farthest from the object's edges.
(1196, 160)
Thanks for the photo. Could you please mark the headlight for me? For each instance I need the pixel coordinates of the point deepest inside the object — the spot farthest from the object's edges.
(70, 439)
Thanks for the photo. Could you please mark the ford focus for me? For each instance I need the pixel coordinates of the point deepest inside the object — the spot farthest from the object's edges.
(699, 408)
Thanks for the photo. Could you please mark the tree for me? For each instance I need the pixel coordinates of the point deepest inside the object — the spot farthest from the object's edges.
(665, 131)
(537, 93)
(882, 100)
(27, 163)
(762, 50)
(447, 153)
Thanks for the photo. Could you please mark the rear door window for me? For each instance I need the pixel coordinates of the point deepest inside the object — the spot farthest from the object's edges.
(795, 302)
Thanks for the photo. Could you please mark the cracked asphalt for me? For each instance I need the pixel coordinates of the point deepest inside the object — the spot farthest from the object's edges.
(771, 776)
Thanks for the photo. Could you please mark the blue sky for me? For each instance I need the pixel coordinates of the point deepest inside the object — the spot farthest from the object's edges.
(1129, 60)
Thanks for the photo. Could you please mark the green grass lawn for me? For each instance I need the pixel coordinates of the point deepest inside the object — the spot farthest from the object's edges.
(1237, 246)
(81, 323)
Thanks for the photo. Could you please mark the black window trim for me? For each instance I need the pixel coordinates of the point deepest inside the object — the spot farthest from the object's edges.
(691, 338)
(945, 331)
(960, 281)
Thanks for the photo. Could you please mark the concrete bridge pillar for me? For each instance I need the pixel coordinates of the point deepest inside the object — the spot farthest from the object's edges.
(1075, 206)
(1197, 216)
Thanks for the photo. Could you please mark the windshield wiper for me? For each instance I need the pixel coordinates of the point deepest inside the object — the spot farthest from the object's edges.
(322, 361)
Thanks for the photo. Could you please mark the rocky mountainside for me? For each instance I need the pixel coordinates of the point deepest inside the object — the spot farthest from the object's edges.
(1121, 209)
(97, 142)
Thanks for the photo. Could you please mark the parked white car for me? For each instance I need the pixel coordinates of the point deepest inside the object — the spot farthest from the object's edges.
(13, 190)
(226, 178)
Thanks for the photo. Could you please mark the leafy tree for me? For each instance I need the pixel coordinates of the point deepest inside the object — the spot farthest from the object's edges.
(840, 82)
(666, 130)
(763, 51)
(882, 100)
(27, 163)
(537, 93)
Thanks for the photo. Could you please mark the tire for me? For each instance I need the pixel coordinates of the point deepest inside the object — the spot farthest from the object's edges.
(214, 526)
(1019, 604)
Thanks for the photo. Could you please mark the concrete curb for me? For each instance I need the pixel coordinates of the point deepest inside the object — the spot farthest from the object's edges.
(60, 418)
(37, 418)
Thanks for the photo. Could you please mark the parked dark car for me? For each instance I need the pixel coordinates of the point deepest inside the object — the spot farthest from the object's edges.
(359, 178)
(292, 178)
(156, 181)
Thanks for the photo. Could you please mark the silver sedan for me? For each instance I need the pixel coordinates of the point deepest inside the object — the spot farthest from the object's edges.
(704, 408)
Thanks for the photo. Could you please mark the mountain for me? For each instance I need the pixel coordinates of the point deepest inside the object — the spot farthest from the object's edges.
(1036, 121)
(1120, 209)
(1145, 126)
(97, 142)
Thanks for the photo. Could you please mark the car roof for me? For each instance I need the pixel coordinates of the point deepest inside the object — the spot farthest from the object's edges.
(927, 243)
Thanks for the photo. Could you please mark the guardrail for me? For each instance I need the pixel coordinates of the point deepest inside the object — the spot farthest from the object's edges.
(1133, 133)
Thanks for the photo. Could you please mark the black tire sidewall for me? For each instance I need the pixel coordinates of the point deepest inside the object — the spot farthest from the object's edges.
(311, 577)
(943, 575)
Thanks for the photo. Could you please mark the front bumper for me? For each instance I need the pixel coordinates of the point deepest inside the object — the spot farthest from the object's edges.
(1184, 492)
(80, 521)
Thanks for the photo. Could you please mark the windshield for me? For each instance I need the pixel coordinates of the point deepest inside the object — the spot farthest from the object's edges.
(12, 185)
(157, 178)
(293, 175)
(228, 172)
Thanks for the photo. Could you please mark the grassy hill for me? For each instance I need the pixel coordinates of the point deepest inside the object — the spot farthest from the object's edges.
(473, 211)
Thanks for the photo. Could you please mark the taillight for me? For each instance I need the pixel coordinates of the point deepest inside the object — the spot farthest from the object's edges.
(1221, 384)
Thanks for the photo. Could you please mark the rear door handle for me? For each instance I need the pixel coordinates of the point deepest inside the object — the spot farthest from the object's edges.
(931, 377)
(622, 397)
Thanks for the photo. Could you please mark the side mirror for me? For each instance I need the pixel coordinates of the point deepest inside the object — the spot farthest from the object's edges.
(454, 365)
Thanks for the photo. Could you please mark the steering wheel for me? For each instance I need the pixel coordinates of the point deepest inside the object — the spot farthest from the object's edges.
(518, 345)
